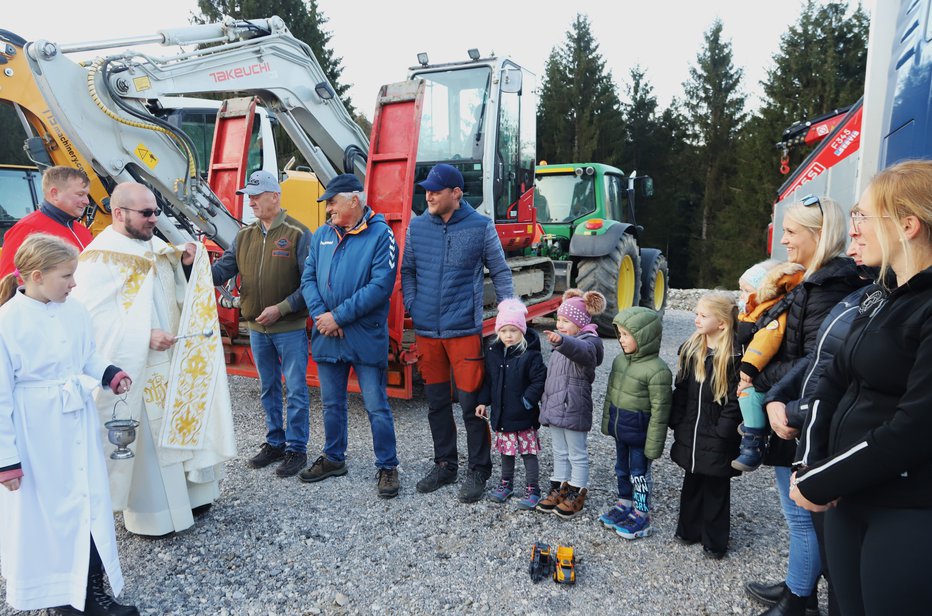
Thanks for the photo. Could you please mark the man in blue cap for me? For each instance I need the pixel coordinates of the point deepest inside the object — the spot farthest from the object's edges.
(442, 278)
(269, 256)
(347, 284)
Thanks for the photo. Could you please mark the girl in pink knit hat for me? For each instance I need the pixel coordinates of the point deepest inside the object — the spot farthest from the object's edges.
(514, 383)
(566, 407)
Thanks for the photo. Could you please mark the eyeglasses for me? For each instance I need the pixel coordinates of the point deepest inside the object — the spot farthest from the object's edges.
(810, 200)
(857, 218)
(145, 213)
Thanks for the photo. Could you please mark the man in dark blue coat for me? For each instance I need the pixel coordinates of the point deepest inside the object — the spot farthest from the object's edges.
(442, 278)
(347, 283)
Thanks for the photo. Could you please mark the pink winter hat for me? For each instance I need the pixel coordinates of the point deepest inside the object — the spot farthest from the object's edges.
(511, 312)
(579, 307)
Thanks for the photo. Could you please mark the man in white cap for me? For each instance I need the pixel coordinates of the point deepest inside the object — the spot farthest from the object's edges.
(269, 256)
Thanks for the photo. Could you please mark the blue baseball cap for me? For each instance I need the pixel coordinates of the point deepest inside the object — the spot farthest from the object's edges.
(443, 176)
(260, 182)
(345, 183)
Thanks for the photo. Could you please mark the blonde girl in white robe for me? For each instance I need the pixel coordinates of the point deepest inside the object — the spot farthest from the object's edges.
(58, 536)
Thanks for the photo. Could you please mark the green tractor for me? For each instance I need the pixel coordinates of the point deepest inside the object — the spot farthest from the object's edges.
(587, 214)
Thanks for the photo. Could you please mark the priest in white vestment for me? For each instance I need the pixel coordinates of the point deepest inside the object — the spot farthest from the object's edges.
(134, 286)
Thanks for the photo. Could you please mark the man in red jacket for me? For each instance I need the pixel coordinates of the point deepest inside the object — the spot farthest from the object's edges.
(65, 198)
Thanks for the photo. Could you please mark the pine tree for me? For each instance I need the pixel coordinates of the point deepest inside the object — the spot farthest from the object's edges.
(579, 118)
(715, 110)
(819, 67)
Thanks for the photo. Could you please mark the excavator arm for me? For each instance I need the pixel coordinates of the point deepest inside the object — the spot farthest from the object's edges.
(103, 108)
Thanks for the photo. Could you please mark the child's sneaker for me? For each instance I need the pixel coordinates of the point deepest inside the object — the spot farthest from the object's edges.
(503, 492)
(753, 442)
(531, 498)
(556, 496)
(572, 504)
(615, 516)
(635, 526)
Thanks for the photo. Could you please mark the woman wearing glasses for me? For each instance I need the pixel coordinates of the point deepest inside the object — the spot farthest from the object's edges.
(814, 234)
(873, 412)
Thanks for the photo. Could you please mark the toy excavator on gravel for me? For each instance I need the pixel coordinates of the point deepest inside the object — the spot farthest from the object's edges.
(561, 567)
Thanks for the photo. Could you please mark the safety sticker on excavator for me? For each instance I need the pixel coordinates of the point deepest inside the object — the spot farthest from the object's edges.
(141, 83)
(146, 156)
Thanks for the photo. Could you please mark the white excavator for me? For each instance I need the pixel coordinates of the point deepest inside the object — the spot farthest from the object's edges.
(478, 115)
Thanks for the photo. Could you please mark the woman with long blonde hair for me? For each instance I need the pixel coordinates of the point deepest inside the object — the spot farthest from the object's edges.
(870, 417)
(814, 237)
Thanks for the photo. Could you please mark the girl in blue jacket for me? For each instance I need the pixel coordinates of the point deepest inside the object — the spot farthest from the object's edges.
(514, 382)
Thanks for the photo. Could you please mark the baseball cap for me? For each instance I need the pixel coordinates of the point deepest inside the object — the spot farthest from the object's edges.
(443, 176)
(260, 182)
(344, 183)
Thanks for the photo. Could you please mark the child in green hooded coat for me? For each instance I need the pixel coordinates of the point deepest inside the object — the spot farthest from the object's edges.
(637, 407)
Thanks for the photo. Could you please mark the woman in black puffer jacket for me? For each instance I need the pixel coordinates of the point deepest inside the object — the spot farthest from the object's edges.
(872, 412)
(814, 233)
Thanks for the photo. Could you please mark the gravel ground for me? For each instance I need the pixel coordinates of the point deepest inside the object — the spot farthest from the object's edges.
(273, 546)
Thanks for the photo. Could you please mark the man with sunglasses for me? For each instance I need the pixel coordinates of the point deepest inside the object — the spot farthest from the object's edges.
(141, 293)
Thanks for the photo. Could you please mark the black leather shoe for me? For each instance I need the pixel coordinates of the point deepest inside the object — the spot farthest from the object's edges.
(99, 603)
(267, 454)
(440, 475)
(765, 594)
(294, 463)
(788, 605)
(770, 594)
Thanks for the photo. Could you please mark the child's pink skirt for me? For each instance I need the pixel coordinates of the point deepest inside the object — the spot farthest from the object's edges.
(517, 443)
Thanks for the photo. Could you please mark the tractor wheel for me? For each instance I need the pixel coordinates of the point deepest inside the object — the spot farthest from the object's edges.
(654, 280)
(617, 276)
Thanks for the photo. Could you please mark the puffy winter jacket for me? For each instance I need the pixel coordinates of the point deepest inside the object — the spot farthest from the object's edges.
(567, 400)
(351, 274)
(821, 292)
(705, 431)
(799, 384)
(637, 403)
(442, 272)
(512, 378)
(871, 412)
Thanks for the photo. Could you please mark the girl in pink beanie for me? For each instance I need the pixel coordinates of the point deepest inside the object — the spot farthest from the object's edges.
(514, 383)
(566, 407)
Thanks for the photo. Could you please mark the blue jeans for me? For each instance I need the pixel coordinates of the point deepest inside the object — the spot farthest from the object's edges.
(570, 457)
(275, 355)
(805, 564)
(632, 469)
(372, 384)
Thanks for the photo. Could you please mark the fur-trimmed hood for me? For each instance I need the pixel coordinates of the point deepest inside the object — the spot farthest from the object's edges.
(778, 282)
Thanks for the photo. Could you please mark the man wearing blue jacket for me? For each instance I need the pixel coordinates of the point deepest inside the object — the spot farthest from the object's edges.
(442, 277)
(347, 283)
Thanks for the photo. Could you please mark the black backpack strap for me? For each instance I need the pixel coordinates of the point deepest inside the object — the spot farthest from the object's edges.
(782, 305)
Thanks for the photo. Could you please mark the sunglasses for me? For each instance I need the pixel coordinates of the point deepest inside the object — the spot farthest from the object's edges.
(145, 213)
(810, 200)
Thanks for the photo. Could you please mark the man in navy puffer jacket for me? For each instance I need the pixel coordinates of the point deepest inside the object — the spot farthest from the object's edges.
(442, 276)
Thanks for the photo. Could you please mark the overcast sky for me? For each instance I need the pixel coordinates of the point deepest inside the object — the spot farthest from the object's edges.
(379, 41)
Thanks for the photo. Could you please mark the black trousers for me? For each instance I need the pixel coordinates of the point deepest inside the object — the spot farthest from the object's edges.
(818, 523)
(443, 428)
(879, 559)
(705, 510)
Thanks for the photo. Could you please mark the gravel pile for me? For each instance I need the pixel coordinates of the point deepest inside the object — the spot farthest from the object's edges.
(276, 547)
(685, 299)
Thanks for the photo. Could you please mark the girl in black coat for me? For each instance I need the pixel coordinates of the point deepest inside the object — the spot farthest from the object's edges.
(704, 419)
(514, 383)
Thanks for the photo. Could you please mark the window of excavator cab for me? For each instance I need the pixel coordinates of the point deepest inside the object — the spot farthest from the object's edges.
(453, 121)
(18, 196)
(563, 197)
(200, 125)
